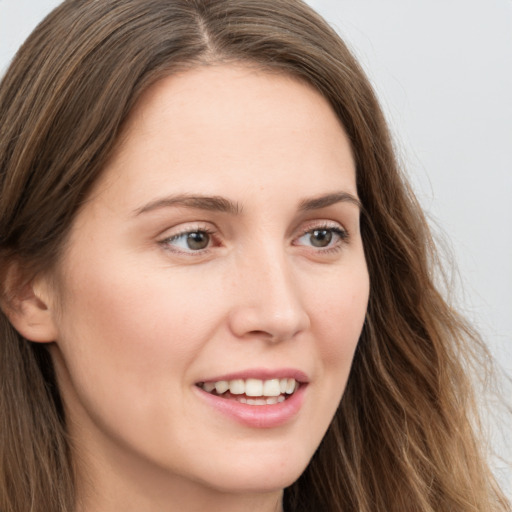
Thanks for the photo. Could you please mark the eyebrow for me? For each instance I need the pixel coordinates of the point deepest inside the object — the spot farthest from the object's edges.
(209, 203)
(326, 200)
(223, 205)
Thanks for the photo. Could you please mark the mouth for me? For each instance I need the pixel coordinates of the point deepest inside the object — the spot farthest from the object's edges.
(253, 391)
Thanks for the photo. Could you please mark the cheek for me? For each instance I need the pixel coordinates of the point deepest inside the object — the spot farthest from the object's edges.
(131, 325)
(337, 315)
(126, 346)
(339, 318)
(339, 323)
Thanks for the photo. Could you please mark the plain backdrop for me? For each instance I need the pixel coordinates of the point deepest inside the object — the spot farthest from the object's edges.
(443, 72)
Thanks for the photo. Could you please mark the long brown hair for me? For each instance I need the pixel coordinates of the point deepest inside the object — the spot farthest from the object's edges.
(403, 438)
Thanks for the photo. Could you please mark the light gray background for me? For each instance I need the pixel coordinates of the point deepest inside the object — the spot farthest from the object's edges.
(443, 72)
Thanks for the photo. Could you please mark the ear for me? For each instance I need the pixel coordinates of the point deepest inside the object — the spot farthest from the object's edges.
(29, 306)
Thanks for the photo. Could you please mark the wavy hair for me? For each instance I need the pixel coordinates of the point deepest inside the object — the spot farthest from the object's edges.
(405, 435)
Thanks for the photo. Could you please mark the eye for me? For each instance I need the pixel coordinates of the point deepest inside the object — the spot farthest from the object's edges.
(323, 237)
(189, 241)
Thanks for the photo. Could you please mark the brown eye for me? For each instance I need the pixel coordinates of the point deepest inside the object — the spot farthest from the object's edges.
(190, 241)
(321, 237)
(197, 240)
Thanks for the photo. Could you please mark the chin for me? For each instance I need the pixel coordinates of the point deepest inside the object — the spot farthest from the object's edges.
(257, 475)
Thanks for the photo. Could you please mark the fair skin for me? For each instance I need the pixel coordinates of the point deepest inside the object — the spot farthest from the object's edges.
(221, 244)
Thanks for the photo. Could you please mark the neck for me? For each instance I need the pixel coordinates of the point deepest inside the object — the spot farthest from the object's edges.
(117, 483)
(179, 501)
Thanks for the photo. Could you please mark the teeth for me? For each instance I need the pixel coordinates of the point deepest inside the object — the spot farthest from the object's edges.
(262, 401)
(256, 401)
(221, 386)
(253, 387)
(209, 386)
(271, 388)
(237, 387)
(290, 387)
(274, 389)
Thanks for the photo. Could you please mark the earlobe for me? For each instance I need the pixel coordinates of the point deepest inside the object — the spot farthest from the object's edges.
(28, 307)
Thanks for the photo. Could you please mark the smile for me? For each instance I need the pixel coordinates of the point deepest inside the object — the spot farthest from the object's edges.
(252, 391)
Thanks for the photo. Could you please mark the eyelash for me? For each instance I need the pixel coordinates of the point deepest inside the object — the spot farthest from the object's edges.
(166, 243)
(341, 233)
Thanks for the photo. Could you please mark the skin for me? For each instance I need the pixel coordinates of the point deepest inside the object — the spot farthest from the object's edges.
(139, 318)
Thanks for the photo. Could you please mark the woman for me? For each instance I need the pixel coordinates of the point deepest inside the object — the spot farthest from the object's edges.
(217, 288)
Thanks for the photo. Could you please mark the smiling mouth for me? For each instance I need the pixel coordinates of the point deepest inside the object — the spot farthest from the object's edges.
(252, 391)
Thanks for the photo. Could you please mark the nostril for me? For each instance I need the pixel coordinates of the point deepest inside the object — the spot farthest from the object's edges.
(260, 334)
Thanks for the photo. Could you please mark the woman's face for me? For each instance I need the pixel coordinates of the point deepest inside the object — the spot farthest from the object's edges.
(221, 248)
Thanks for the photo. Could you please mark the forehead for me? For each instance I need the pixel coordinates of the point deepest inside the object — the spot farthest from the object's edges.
(245, 86)
(210, 125)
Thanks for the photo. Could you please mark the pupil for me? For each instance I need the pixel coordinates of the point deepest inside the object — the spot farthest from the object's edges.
(198, 240)
(321, 237)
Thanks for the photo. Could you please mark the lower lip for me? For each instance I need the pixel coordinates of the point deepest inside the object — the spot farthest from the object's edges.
(257, 416)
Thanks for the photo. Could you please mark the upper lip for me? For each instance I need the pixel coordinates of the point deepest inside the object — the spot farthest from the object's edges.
(262, 374)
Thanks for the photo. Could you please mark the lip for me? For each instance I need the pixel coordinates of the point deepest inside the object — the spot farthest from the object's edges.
(258, 416)
(263, 374)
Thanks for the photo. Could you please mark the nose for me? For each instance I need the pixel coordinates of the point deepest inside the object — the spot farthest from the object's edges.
(268, 303)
